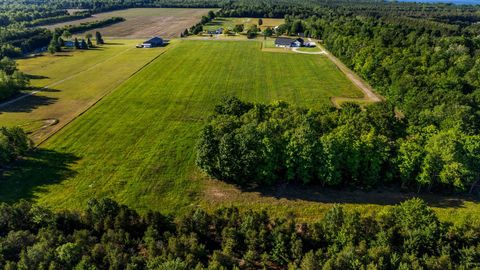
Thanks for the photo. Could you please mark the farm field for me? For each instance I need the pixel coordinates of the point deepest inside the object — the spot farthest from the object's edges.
(137, 144)
(73, 81)
(144, 22)
(229, 23)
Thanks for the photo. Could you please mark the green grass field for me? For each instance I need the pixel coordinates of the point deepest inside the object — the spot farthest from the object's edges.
(137, 144)
(74, 81)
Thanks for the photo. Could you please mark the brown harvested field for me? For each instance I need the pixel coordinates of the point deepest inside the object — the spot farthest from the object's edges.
(144, 22)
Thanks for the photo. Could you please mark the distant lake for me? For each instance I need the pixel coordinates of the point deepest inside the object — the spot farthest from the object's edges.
(457, 2)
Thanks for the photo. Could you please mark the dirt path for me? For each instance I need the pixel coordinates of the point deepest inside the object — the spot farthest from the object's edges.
(298, 51)
(369, 94)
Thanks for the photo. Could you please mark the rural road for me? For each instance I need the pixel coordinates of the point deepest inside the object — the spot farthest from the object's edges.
(367, 90)
(298, 51)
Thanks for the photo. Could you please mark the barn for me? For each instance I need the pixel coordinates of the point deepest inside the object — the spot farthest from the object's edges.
(288, 42)
(153, 42)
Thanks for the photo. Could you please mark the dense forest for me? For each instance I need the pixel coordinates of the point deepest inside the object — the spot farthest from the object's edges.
(111, 236)
(247, 143)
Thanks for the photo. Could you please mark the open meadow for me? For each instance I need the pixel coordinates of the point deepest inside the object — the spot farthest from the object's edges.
(137, 145)
(144, 22)
(70, 82)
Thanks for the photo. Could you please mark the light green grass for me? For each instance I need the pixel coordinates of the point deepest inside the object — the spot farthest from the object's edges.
(75, 80)
(309, 49)
(137, 144)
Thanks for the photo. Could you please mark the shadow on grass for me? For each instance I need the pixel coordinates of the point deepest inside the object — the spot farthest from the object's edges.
(36, 77)
(28, 103)
(30, 175)
(383, 196)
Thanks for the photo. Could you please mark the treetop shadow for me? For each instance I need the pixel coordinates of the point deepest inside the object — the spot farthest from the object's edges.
(32, 173)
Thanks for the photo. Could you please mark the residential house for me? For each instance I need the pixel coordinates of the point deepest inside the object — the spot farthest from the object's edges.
(288, 42)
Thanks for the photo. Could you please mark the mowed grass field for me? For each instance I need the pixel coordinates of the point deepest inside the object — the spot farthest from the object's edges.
(137, 144)
(73, 81)
(144, 22)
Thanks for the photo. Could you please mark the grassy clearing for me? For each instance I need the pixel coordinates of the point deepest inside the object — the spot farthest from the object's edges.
(144, 22)
(137, 144)
(309, 49)
(311, 203)
(229, 23)
(74, 81)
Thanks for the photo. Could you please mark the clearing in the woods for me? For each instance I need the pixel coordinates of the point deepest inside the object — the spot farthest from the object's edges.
(137, 145)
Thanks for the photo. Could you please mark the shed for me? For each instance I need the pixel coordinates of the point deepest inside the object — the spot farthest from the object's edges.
(153, 42)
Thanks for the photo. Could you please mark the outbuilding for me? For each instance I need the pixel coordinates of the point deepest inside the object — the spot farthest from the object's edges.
(288, 42)
(153, 42)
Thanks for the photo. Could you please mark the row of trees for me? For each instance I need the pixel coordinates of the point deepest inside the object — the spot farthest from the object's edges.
(248, 143)
(111, 236)
(58, 42)
(14, 143)
(11, 80)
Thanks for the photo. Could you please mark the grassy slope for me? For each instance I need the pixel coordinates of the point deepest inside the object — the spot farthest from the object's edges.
(137, 144)
(75, 81)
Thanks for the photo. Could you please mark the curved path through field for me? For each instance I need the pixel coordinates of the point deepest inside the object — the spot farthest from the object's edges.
(370, 95)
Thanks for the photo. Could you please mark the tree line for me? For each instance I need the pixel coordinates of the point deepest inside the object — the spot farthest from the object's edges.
(257, 144)
(11, 79)
(107, 235)
(14, 143)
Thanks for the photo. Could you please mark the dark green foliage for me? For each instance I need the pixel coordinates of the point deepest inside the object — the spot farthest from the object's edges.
(238, 28)
(247, 143)
(99, 38)
(89, 43)
(111, 236)
(76, 43)
(11, 80)
(83, 45)
(13, 144)
(90, 25)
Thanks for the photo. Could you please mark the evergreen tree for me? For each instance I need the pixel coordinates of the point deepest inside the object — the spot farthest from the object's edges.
(54, 46)
(89, 43)
(98, 38)
(76, 43)
(83, 45)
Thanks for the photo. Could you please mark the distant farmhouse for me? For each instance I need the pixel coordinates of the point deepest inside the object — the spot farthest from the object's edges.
(215, 32)
(153, 42)
(69, 44)
(288, 42)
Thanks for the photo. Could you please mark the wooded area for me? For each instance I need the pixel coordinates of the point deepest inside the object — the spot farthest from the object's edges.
(111, 236)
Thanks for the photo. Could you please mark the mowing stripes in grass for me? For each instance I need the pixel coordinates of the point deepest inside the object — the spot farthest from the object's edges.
(137, 144)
